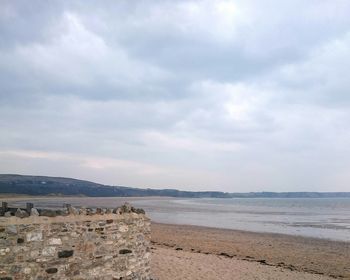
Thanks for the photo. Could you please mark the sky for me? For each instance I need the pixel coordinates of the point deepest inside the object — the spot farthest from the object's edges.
(236, 96)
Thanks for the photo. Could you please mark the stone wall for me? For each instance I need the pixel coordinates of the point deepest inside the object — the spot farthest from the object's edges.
(74, 244)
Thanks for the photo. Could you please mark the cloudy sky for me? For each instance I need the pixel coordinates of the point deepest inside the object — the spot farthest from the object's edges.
(242, 95)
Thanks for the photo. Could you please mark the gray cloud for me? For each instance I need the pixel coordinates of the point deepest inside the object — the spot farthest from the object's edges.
(226, 95)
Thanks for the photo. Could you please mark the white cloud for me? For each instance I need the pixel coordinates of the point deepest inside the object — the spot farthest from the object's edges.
(227, 95)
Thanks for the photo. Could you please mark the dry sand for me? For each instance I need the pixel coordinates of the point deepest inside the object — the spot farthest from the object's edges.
(169, 264)
(191, 252)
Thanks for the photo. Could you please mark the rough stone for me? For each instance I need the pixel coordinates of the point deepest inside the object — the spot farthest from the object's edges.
(34, 254)
(125, 251)
(117, 211)
(51, 270)
(112, 246)
(15, 269)
(20, 240)
(65, 253)
(8, 214)
(90, 211)
(29, 207)
(21, 213)
(82, 211)
(34, 236)
(72, 210)
(140, 211)
(4, 251)
(62, 212)
(34, 212)
(27, 270)
(123, 228)
(55, 241)
(48, 251)
(48, 213)
(126, 208)
(11, 229)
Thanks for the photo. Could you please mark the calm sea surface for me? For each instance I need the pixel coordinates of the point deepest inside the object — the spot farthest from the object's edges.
(321, 218)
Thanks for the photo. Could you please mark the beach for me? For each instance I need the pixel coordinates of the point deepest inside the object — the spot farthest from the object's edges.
(193, 252)
(198, 252)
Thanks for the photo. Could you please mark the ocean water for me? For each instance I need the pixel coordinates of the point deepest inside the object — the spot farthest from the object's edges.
(327, 218)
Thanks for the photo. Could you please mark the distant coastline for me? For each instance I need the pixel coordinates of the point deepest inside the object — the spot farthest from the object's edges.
(14, 184)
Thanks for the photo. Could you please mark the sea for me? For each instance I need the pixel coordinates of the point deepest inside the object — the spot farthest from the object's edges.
(326, 218)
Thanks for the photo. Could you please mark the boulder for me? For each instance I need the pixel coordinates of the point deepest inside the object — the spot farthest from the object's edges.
(34, 212)
(8, 214)
(48, 213)
(72, 210)
(21, 213)
(126, 208)
(117, 211)
(139, 211)
(90, 211)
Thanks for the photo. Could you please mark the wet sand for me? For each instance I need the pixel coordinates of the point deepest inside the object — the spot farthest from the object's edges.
(192, 252)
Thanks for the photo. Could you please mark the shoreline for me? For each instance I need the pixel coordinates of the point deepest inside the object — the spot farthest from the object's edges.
(242, 231)
(24, 197)
(291, 253)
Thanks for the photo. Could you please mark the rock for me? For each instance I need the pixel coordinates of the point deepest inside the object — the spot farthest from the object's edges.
(51, 270)
(8, 214)
(125, 251)
(27, 270)
(72, 210)
(62, 212)
(4, 205)
(123, 228)
(34, 253)
(34, 212)
(21, 214)
(79, 247)
(90, 211)
(55, 241)
(108, 211)
(65, 253)
(15, 269)
(11, 229)
(20, 240)
(4, 251)
(126, 208)
(139, 211)
(29, 206)
(117, 210)
(34, 236)
(99, 211)
(82, 211)
(48, 213)
(48, 251)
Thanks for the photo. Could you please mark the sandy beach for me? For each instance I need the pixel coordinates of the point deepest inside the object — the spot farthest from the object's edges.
(192, 252)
